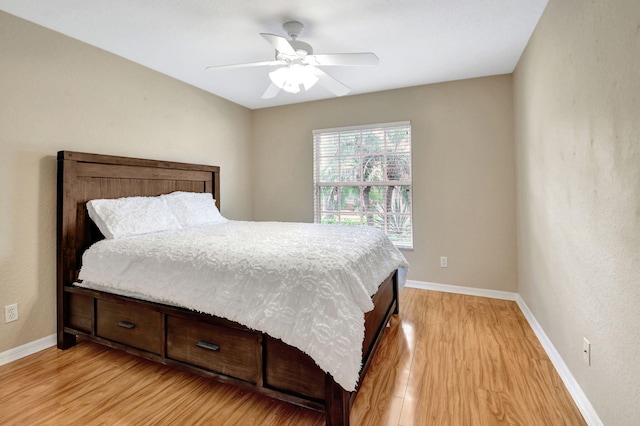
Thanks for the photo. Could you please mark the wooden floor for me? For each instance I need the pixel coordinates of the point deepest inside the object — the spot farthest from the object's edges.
(446, 360)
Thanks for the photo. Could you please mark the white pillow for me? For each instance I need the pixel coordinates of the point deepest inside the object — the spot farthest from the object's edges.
(123, 217)
(193, 208)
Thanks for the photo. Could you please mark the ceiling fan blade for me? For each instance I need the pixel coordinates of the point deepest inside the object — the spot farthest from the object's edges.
(248, 65)
(280, 43)
(330, 83)
(271, 91)
(345, 59)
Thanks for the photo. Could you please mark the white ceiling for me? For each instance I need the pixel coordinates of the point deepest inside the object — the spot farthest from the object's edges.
(418, 41)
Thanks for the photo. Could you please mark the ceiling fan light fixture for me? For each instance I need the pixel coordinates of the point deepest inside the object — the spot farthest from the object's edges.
(299, 66)
(290, 78)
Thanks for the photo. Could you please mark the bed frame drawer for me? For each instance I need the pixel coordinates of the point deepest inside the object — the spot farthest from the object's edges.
(232, 352)
(80, 310)
(139, 327)
(291, 370)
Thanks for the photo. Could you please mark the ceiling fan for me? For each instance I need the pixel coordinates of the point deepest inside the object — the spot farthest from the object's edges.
(298, 66)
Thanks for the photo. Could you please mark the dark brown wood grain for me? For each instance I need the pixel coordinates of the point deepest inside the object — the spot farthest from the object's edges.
(137, 327)
(164, 333)
(238, 355)
(81, 312)
(338, 403)
(377, 318)
(291, 370)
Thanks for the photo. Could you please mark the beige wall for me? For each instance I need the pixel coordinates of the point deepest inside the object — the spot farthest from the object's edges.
(57, 93)
(577, 106)
(463, 172)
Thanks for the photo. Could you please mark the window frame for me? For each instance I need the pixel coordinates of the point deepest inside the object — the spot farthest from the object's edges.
(319, 183)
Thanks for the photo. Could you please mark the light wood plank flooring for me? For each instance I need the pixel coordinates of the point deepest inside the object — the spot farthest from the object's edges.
(448, 359)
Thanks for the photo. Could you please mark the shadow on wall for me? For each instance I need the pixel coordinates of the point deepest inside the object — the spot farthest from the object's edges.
(45, 299)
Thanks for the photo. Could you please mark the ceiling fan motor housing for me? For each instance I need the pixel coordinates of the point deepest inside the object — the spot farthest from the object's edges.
(293, 28)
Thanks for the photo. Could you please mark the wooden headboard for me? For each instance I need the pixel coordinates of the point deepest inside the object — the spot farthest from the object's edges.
(83, 177)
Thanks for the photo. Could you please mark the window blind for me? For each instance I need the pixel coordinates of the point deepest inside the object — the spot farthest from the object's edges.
(362, 176)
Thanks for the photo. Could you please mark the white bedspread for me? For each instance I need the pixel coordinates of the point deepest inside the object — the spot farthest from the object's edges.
(306, 284)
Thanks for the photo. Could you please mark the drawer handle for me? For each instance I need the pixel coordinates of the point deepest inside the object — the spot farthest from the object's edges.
(126, 324)
(207, 345)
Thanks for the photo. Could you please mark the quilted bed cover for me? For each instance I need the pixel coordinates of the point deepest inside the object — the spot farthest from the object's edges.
(306, 284)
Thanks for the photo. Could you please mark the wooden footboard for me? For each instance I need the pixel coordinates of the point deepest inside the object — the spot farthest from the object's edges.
(202, 344)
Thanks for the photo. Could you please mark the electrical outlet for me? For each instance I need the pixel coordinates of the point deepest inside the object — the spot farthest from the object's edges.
(586, 350)
(11, 313)
(443, 262)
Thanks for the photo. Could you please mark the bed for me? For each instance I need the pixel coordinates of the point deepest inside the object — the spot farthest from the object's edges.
(176, 336)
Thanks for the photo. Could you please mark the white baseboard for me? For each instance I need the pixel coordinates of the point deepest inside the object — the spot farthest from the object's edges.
(27, 349)
(583, 404)
(471, 291)
(585, 407)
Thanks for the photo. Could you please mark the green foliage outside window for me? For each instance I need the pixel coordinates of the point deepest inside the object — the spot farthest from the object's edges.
(363, 177)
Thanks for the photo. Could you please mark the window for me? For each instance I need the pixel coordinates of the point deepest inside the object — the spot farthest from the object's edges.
(362, 176)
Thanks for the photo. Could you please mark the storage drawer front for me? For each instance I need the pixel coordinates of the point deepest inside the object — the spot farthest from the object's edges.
(232, 352)
(288, 369)
(80, 312)
(133, 326)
